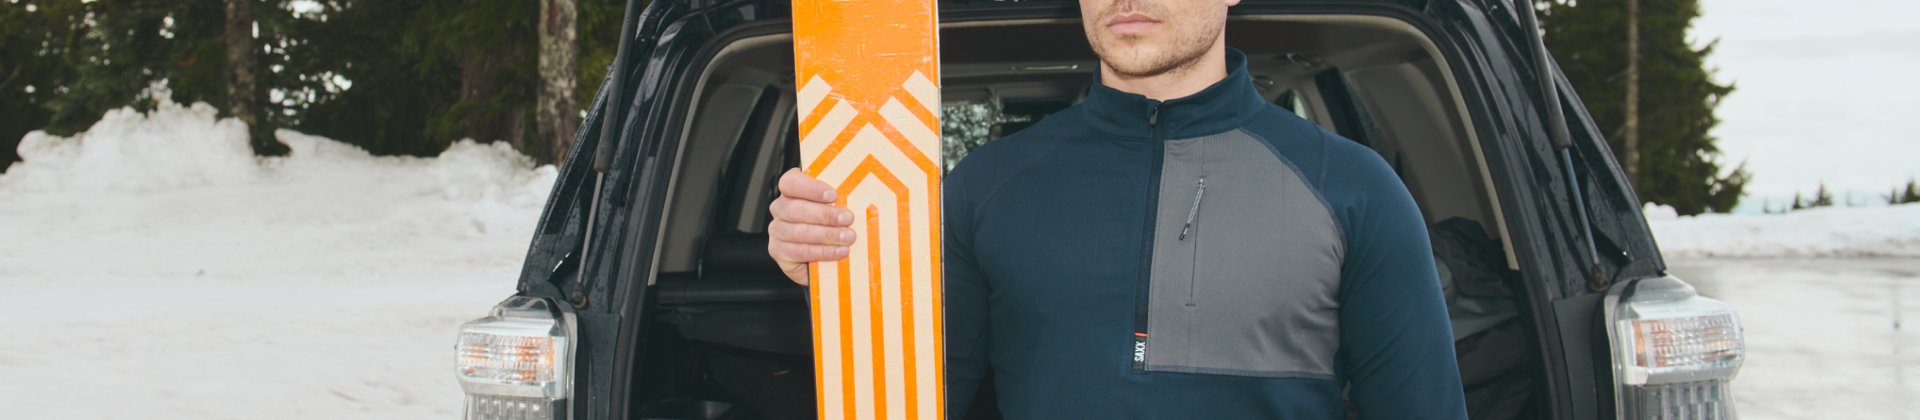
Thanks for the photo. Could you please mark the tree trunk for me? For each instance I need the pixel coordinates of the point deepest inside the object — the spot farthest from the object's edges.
(1631, 139)
(558, 57)
(241, 53)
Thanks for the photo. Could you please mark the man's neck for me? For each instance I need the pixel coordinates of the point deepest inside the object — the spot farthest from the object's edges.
(1176, 83)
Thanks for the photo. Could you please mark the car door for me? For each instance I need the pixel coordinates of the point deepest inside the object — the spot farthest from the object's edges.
(1583, 246)
(594, 248)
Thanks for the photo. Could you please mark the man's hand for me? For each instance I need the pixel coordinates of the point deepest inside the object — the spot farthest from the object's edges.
(806, 226)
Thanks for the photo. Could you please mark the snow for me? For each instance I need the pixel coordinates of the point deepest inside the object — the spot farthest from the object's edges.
(1885, 231)
(1821, 294)
(154, 268)
(1824, 336)
(173, 148)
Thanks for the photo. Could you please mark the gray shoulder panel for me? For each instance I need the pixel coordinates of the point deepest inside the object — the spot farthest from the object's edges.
(1246, 264)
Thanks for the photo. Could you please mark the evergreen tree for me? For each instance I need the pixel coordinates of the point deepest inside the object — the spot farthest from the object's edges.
(493, 43)
(367, 74)
(95, 56)
(78, 60)
(599, 26)
(1674, 160)
(391, 76)
(40, 42)
(423, 73)
(1821, 197)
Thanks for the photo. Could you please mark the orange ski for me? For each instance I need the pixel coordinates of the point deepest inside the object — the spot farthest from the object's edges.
(869, 93)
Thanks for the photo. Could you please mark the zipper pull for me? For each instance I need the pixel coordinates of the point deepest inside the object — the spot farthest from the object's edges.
(1194, 212)
(1153, 116)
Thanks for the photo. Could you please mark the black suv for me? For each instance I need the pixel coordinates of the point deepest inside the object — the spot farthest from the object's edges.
(648, 292)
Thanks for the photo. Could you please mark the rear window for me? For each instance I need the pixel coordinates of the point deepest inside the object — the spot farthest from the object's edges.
(966, 125)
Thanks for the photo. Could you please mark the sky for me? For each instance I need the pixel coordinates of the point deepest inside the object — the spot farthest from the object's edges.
(1825, 91)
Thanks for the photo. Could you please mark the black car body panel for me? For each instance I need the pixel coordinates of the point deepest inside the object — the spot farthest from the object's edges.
(606, 274)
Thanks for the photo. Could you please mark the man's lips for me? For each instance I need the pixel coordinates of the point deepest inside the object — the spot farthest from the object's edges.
(1130, 23)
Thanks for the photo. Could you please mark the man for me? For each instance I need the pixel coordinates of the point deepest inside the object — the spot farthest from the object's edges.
(1174, 247)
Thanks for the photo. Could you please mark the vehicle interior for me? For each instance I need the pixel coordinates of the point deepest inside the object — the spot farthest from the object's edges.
(729, 336)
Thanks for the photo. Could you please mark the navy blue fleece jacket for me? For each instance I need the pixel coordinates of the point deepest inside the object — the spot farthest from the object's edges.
(1212, 256)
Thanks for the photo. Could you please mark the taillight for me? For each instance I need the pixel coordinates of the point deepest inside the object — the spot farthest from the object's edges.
(1675, 353)
(514, 364)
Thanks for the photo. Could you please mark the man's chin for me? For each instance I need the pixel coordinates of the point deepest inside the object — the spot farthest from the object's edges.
(1139, 66)
(1130, 59)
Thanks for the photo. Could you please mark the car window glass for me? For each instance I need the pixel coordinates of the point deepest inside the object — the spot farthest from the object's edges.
(966, 125)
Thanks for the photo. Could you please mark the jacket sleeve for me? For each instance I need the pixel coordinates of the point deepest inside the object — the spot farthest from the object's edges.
(965, 300)
(1395, 339)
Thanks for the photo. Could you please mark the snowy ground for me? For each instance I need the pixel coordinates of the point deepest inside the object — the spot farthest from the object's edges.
(153, 269)
(1826, 338)
(1883, 231)
(1822, 296)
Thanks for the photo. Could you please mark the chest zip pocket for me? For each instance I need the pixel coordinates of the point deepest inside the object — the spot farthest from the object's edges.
(1193, 214)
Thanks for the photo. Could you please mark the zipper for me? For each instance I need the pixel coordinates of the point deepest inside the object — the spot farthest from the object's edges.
(1194, 212)
(1142, 291)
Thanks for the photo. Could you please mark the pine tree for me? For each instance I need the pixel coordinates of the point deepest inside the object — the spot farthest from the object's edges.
(599, 30)
(420, 73)
(109, 59)
(426, 72)
(38, 42)
(1673, 159)
(1912, 195)
(1821, 197)
(392, 76)
(78, 60)
(363, 74)
(495, 45)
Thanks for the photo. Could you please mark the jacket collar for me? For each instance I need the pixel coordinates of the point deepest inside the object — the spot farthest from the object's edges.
(1225, 105)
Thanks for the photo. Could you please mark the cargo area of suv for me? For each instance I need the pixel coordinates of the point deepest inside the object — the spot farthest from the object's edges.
(728, 335)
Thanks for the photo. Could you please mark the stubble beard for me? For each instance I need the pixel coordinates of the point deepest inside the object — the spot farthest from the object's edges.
(1180, 55)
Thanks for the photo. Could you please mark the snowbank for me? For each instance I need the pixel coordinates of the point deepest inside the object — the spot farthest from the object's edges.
(164, 272)
(1891, 231)
(173, 147)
